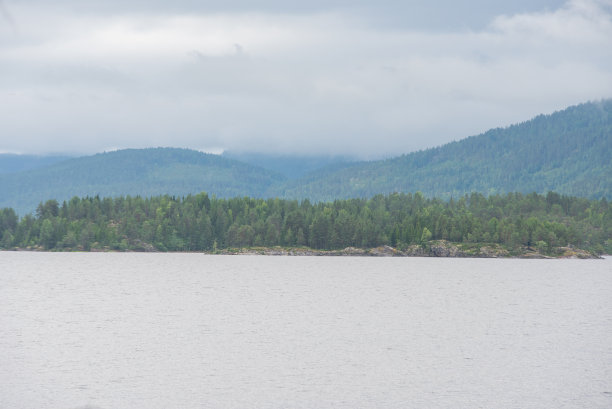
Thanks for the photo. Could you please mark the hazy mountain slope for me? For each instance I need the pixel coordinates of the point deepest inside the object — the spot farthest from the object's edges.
(292, 166)
(142, 172)
(10, 163)
(569, 151)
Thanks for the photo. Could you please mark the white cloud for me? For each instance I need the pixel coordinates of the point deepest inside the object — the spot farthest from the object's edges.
(319, 82)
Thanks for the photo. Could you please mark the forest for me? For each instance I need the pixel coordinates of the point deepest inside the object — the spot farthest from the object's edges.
(206, 223)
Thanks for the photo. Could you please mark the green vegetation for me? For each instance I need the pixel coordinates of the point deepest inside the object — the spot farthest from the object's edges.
(202, 223)
(568, 152)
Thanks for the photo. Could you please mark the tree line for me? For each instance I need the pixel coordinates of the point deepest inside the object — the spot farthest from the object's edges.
(206, 223)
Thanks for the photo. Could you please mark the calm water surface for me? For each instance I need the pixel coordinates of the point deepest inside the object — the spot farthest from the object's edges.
(114, 331)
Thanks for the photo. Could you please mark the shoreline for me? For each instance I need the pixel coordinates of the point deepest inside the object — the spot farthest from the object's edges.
(451, 251)
(439, 248)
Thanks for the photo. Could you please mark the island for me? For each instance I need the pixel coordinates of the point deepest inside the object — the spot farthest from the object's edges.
(397, 224)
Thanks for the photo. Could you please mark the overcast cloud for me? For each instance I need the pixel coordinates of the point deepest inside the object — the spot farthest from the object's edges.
(327, 77)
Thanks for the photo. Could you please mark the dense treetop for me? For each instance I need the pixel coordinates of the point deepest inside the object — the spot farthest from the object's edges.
(203, 223)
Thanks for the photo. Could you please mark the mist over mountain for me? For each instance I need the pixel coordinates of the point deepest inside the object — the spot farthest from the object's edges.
(334, 77)
(11, 163)
(291, 166)
(568, 152)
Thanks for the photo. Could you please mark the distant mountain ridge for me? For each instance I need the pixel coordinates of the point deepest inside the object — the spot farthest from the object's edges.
(568, 152)
(11, 163)
(143, 172)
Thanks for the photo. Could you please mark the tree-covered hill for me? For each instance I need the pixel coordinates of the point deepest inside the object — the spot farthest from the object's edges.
(145, 172)
(569, 151)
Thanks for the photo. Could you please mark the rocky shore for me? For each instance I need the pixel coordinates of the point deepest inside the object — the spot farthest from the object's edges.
(440, 248)
(436, 248)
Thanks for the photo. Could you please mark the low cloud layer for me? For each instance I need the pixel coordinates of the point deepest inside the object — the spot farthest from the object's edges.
(317, 81)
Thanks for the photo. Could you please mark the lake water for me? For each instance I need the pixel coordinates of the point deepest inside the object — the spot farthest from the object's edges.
(114, 331)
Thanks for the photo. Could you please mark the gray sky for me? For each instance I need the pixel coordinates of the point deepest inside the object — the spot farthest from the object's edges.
(321, 77)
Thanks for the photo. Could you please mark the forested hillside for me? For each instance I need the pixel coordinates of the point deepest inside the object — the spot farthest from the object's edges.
(145, 172)
(569, 152)
(203, 223)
